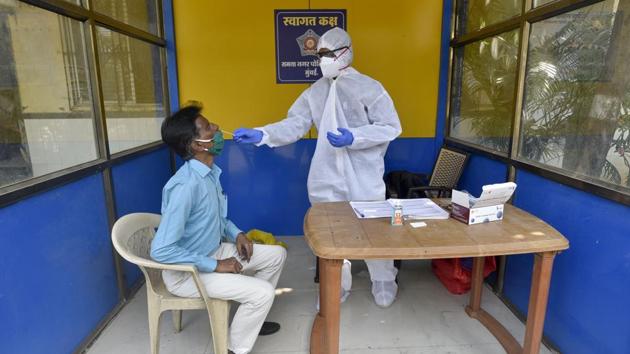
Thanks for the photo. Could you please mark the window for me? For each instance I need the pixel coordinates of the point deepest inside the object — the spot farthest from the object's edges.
(576, 113)
(477, 14)
(482, 99)
(138, 13)
(51, 92)
(132, 89)
(570, 76)
(46, 119)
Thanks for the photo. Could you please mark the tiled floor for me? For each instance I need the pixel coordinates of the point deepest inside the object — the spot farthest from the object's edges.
(425, 319)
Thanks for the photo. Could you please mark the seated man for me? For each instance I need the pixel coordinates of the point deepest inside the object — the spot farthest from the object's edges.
(194, 220)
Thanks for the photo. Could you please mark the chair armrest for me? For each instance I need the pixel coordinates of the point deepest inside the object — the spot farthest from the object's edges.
(143, 262)
(429, 188)
(176, 267)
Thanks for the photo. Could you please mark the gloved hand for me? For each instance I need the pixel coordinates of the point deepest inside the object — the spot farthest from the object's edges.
(346, 138)
(248, 136)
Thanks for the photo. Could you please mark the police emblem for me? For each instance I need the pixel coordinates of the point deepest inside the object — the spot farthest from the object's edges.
(308, 43)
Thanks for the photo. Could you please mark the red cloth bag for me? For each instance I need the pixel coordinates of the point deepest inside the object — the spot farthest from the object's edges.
(455, 277)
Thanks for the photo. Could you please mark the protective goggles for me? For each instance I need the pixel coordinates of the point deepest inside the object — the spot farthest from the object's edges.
(330, 53)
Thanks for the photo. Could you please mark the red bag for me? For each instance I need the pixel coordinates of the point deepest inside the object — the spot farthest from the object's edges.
(455, 277)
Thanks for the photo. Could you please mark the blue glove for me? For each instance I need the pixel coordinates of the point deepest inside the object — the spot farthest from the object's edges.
(248, 136)
(346, 138)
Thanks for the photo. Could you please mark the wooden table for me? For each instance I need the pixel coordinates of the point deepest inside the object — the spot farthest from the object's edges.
(334, 233)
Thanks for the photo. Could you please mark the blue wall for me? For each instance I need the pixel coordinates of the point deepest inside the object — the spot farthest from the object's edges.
(267, 187)
(56, 266)
(588, 303)
(587, 311)
(480, 171)
(138, 188)
(58, 279)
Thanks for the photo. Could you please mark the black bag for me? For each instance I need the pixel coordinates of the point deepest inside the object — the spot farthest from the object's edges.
(397, 184)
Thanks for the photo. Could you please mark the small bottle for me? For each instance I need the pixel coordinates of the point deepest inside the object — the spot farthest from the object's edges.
(397, 216)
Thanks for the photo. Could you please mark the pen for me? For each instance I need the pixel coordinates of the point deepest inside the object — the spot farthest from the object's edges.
(358, 212)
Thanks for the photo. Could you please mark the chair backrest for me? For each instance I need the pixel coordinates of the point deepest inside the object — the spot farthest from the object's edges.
(448, 168)
(132, 235)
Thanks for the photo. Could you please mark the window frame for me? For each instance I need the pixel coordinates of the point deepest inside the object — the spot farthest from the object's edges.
(529, 15)
(90, 19)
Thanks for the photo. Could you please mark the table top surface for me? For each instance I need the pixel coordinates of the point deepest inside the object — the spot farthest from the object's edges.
(333, 231)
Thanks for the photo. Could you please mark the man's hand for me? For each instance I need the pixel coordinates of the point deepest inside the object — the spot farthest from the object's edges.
(229, 265)
(244, 247)
(248, 136)
(344, 139)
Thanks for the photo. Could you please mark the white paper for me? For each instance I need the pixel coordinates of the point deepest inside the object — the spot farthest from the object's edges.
(369, 210)
(420, 209)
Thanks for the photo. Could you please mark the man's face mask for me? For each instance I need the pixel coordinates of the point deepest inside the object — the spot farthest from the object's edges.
(330, 67)
(329, 63)
(217, 148)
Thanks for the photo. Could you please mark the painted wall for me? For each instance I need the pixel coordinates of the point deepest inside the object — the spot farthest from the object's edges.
(225, 59)
(56, 260)
(226, 56)
(588, 309)
(56, 266)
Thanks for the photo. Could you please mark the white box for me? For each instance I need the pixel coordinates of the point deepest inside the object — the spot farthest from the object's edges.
(488, 207)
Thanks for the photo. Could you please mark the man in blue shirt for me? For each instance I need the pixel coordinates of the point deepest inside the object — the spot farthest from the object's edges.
(194, 223)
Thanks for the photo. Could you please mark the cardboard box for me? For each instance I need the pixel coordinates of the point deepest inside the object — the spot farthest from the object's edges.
(488, 207)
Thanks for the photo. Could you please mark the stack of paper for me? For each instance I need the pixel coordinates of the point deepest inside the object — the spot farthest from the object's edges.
(369, 210)
(420, 208)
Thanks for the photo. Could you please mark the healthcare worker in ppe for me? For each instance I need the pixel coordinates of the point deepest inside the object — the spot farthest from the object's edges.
(355, 119)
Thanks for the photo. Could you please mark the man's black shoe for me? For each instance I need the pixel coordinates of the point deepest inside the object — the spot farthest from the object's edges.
(269, 328)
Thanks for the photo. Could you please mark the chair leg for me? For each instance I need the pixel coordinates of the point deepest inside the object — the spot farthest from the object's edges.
(218, 311)
(154, 323)
(177, 320)
(316, 279)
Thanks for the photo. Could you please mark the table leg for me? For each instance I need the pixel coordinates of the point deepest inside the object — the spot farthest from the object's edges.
(476, 287)
(475, 311)
(541, 278)
(325, 332)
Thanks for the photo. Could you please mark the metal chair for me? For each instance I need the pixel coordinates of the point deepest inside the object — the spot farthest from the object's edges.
(446, 172)
(132, 235)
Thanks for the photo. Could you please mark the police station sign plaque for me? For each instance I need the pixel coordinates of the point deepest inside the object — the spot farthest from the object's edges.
(297, 34)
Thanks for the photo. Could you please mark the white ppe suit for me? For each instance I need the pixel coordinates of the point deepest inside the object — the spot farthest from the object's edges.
(360, 104)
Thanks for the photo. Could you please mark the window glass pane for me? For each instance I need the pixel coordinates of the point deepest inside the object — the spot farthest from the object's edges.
(576, 113)
(482, 96)
(542, 2)
(476, 14)
(131, 72)
(46, 120)
(137, 13)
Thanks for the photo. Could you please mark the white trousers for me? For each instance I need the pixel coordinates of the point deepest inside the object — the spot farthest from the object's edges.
(381, 269)
(254, 289)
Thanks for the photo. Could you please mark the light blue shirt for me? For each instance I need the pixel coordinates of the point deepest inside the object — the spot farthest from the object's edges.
(194, 217)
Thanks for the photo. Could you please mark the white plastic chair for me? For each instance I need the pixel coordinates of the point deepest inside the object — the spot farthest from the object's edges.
(132, 235)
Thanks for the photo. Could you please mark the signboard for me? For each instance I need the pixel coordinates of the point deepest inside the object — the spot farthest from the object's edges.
(297, 34)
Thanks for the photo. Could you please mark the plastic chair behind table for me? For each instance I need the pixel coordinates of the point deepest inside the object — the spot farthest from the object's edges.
(132, 235)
